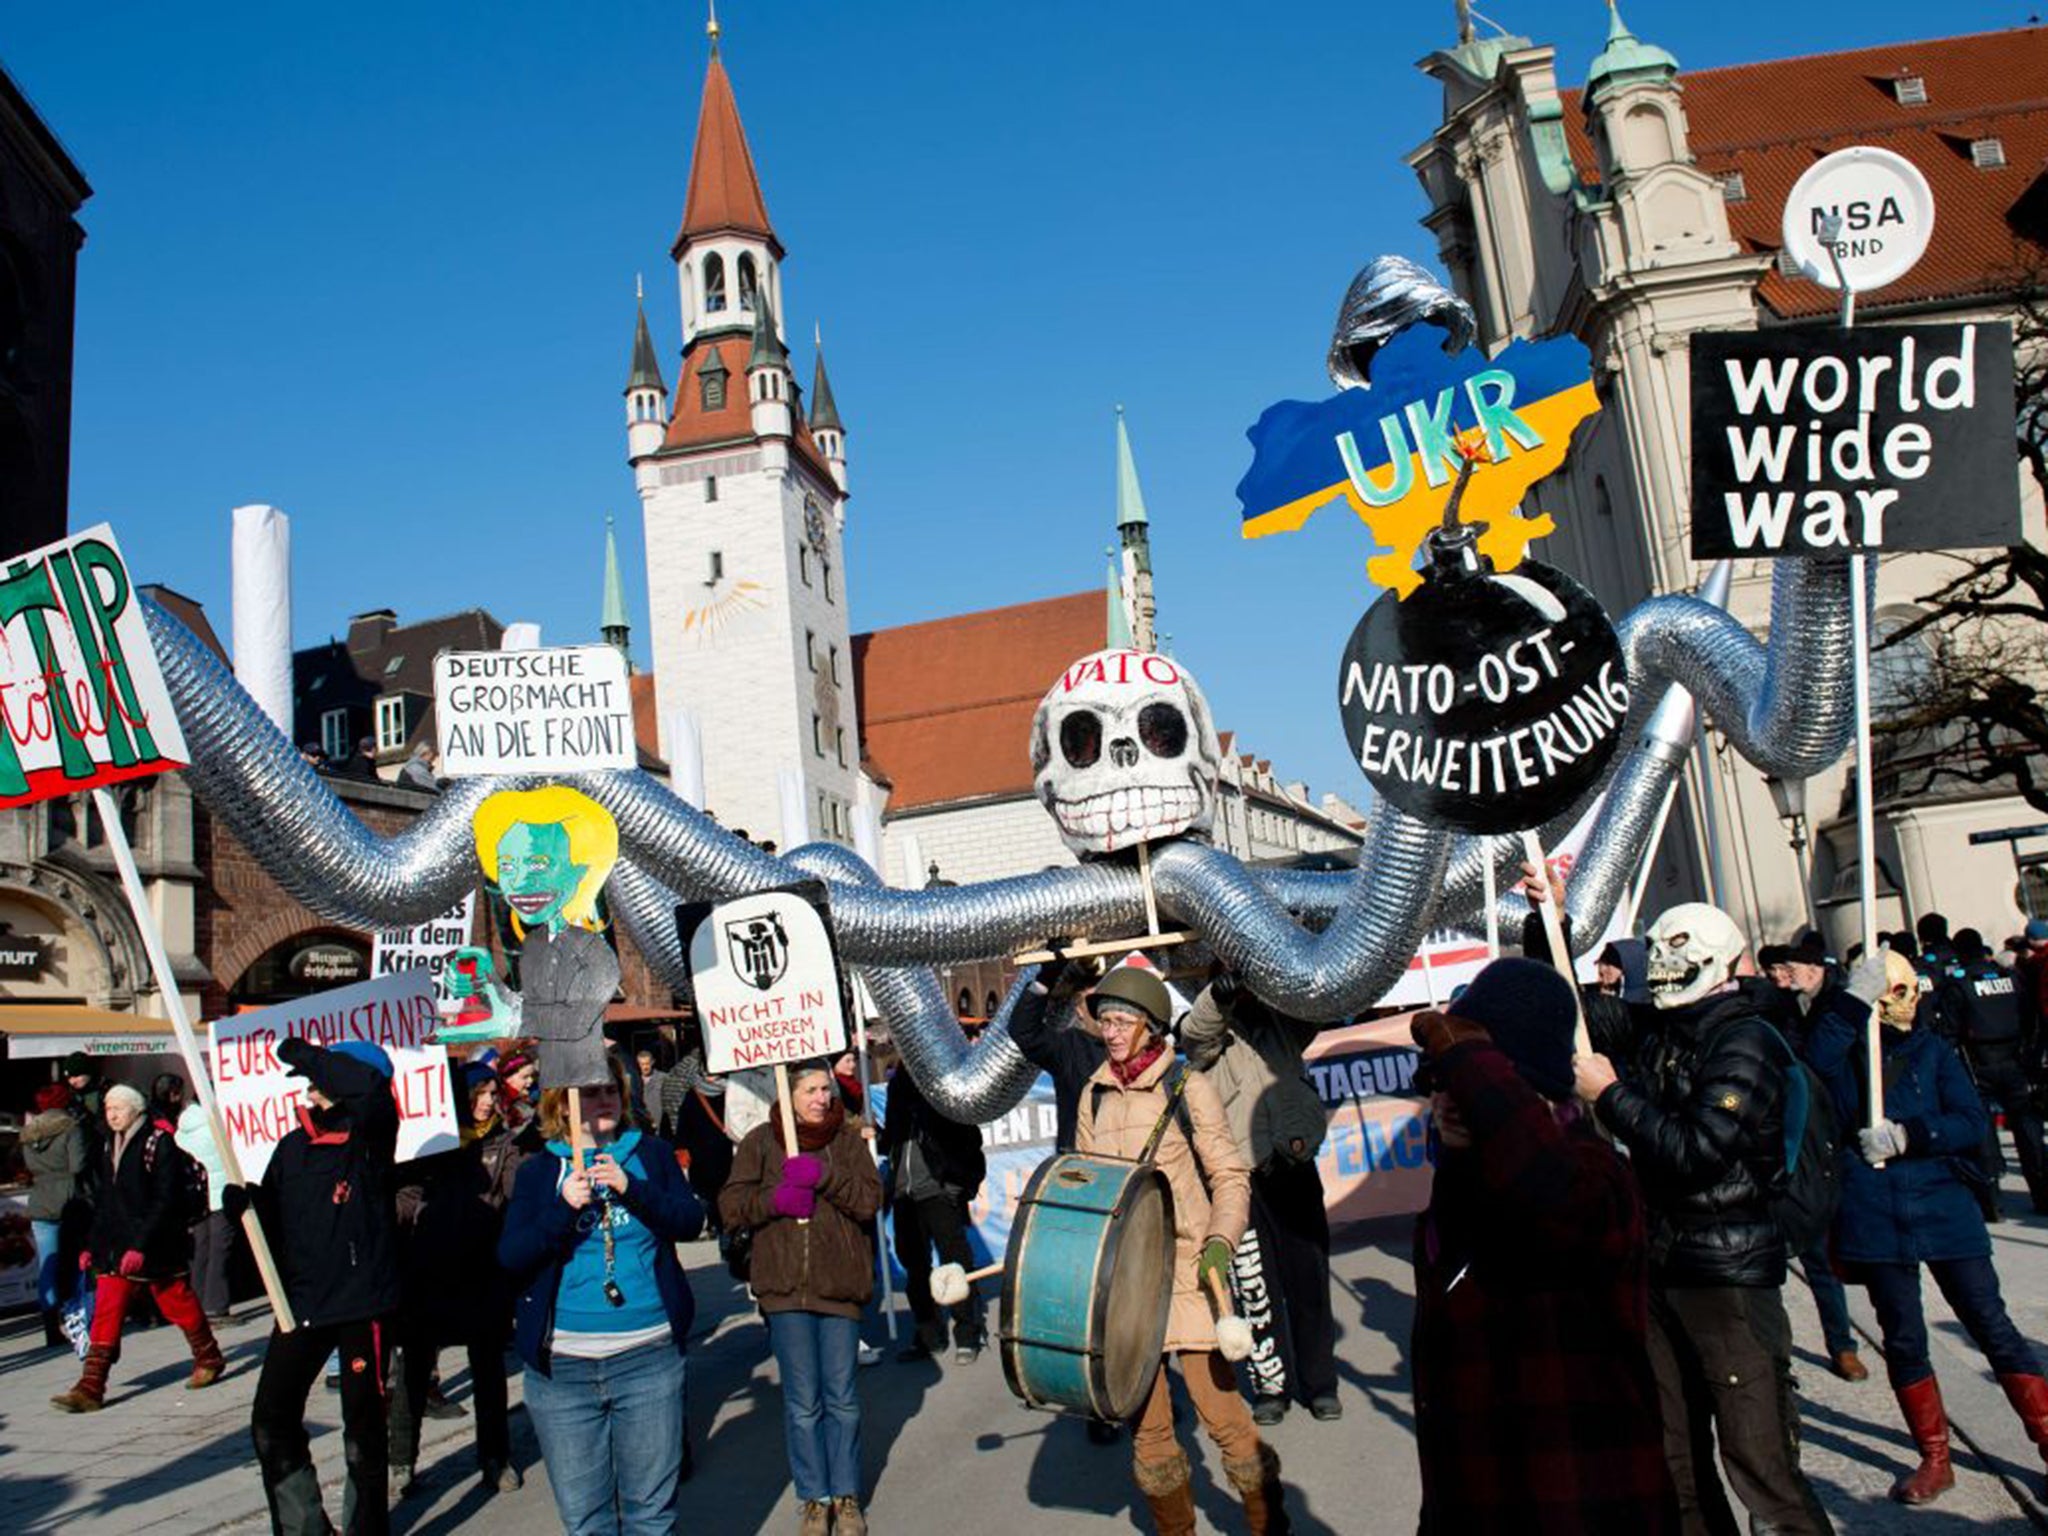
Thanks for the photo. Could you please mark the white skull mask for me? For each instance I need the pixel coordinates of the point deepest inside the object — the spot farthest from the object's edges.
(1124, 752)
(1693, 949)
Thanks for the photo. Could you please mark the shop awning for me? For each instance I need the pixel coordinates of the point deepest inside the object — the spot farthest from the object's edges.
(36, 1030)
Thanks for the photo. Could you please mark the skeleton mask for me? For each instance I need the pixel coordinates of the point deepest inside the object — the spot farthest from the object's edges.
(1900, 1002)
(1124, 752)
(1693, 949)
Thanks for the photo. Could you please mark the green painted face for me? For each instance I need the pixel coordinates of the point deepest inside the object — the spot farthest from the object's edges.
(535, 874)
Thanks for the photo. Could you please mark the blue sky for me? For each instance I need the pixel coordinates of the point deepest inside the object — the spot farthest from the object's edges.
(375, 264)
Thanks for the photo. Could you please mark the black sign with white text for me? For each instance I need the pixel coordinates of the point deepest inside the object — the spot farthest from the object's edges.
(1485, 702)
(1816, 442)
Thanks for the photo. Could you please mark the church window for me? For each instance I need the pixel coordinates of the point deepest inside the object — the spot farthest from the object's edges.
(824, 813)
(714, 283)
(839, 740)
(711, 487)
(716, 573)
(834, 656)
(803, 562)
(749, 287)
(817, 734)
(826, 566)
(811, 648)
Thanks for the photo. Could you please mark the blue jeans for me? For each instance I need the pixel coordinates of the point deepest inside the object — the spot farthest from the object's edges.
(817, 1355)
(49, 1295)
(612, 1430)
(1971, 1288)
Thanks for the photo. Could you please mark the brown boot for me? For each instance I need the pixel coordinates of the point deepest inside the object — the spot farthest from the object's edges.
(208, 1363)
(847, 1520)
(1257, 1482)
(2029, 1398)
(814, 1518)
(1850, 1367)
(1166, 1490)
(91, 1391)
(1928, 1424)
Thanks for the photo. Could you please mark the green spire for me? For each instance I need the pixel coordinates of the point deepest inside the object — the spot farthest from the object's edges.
(1626, 60)
(611, 621)
(1119, 626)
(646, 372)
(824, 409)
(767, 345)
(1130, 500)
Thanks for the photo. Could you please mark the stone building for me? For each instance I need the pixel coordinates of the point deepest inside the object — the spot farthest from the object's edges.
(1643, 206)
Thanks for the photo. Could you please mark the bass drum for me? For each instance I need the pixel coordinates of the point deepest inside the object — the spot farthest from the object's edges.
(1087, 1281)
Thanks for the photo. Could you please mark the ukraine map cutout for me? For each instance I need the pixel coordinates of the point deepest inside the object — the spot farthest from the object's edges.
(1393, 451)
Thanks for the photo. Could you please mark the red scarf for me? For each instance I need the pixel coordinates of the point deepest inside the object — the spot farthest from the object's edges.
(1128, 1072)
(814, 1138)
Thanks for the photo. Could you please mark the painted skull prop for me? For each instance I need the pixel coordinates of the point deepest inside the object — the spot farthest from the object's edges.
(1693, 949)
(1900, 1002)
(1123, 750)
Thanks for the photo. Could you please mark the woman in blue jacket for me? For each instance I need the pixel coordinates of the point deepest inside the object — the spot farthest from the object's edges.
(603, 1312)
(1907, 1201)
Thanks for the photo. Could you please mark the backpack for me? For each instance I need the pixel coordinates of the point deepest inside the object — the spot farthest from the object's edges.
(1803, 1204)
(192, 1196)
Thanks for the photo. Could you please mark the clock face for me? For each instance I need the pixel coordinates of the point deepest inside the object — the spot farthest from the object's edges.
(814, 526)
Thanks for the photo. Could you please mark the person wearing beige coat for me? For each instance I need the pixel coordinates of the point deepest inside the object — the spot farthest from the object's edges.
(1131, 1094)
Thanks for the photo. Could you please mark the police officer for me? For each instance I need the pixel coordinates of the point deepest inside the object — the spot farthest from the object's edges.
(1934, 962)
(1983, 999)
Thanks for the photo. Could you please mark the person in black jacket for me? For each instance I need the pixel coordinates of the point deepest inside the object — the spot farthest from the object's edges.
(1705, 1128)
(139, 1242)
(935, 1168)
(1983, 998)
(1070, 1055)
(327, 1204)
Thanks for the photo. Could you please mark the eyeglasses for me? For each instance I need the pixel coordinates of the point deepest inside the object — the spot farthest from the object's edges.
(1121, 1024)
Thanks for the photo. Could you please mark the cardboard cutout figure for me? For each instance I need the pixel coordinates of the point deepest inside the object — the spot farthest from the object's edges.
(490, 1010)
(568, 977)
(547, 852)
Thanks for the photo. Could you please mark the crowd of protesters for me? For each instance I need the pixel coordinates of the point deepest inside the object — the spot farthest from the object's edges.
(1600, 1339)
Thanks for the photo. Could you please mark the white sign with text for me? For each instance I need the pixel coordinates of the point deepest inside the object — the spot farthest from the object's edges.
(259, 1099)
(424, 946)
(556, 709)
(767, 983)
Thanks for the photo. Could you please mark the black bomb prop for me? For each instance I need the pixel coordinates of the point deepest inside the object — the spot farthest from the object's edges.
(1486, 702)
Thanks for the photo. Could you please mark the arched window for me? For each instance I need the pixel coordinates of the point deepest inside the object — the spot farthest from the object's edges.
(714, 283)
(748, 284)
(1900, 670)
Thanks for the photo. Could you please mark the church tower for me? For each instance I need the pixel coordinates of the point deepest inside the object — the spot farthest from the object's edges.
(745, 509)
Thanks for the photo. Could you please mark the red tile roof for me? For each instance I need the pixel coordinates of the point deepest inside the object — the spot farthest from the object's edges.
(1772, 120)
(725, 194)
(946, 705)
(691, 426)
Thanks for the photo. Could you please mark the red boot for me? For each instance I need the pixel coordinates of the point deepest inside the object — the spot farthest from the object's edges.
(2029, 1398)
(1927, 1422)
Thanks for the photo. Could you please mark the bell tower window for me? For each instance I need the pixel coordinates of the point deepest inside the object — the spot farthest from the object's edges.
(714, 283)
(749, 285)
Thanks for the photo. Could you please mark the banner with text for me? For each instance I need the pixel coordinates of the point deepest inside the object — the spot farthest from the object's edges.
(259, 1100)
(82, 702)
(425, 946)
(555, 709)
(1817, 442)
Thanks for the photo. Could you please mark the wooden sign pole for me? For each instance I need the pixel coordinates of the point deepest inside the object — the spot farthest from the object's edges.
(578, 1143)
(188, 1047)
(788, 1111)
(1553, 931)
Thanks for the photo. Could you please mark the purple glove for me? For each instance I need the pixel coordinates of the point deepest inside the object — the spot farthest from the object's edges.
(794, 1202)
(802, 1172)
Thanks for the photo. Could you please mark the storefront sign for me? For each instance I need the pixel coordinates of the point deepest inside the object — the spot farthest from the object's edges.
(766, 979)
(259, 1100)
(328, 965)
(22, 956)
(557, 709)
(427, 946)
(82, 702)
(1816, 442)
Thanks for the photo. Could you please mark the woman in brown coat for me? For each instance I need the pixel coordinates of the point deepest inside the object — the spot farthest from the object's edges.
(1133, 1091)
(812, 1272)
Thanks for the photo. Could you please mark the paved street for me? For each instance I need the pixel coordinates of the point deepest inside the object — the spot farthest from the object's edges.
(946, 1444)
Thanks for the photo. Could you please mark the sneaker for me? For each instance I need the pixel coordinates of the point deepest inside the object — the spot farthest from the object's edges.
(967, 1349)
(868, 1354)
(1326, 1407)
(1268, 1410)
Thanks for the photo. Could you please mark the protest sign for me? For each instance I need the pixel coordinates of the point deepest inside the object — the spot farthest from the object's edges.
(1484, 702)
(428, 946)
(82, 703)
(1376, 1160)
(259, 1101)
(557, 709)
(1393, 451)
(1868, 208)
(1821, 442)
(766, 979)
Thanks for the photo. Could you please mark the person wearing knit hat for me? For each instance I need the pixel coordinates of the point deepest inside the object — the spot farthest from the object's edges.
(1532, 1284)
(139, 1241)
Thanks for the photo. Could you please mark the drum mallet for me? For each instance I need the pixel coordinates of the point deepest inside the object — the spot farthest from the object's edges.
(950, 1282)
(1233, 1333)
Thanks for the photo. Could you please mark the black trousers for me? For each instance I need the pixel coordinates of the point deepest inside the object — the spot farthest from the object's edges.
(291, 1365)
(1971, 1287)
(418, 1349)
(1723, 1361)
(939, 1221)
(1294, 1232)
(213, 1239)
(2000, 1076)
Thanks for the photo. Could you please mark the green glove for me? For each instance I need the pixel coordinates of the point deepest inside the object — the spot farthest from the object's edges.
(1215, 1260)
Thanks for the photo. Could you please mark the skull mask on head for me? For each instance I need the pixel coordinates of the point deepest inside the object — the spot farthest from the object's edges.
(1693, 949)
(1900, 1003)
(1124, 752)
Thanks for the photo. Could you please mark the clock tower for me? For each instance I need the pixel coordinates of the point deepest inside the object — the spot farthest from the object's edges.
(744, 501)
